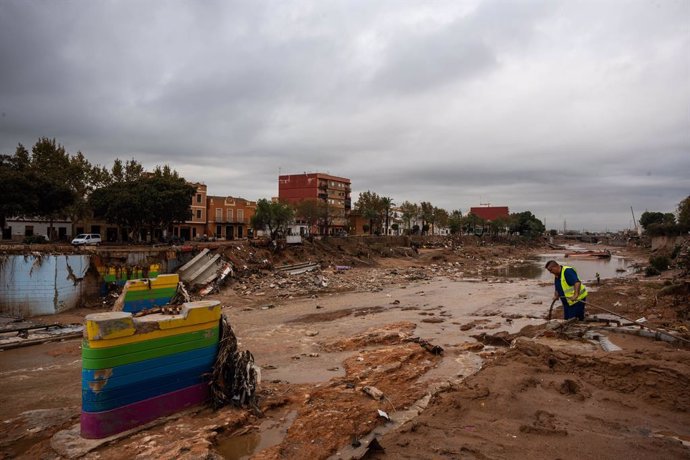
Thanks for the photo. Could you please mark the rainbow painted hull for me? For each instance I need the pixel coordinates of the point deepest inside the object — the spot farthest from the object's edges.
(135, 370)
(142, 294)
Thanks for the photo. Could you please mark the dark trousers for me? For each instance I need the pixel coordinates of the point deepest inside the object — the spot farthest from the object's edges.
(576, 310)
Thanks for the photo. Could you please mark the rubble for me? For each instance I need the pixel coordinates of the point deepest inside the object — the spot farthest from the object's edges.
(350, 347)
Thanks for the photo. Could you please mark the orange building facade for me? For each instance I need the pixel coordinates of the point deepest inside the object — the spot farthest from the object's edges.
(229, 218)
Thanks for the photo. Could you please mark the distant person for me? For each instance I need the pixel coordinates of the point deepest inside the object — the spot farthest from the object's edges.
(569, 289)
(598, 278)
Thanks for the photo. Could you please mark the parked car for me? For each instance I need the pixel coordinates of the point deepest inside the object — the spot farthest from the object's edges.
(87, 239)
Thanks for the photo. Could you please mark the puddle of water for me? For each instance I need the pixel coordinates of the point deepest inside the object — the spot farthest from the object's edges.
(685, 440)
(270, 433)
(587, 269)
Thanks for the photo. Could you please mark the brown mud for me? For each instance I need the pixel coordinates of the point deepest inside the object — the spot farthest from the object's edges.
(506, 385)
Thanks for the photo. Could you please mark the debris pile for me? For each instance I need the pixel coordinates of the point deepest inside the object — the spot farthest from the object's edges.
(235, 377)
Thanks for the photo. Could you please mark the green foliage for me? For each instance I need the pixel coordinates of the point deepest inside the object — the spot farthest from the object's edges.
(426, 213)
(659, 263)
(455, 221)
(441, 217)
(651, 271)
(48, 182)
(669, 218)
(136, 201)
(650, 218)
(274, 216)
(409, 212)
(312, 212)
(665, 230)
(35, 239)
(371, 207)
(526, 224)
(684, 213)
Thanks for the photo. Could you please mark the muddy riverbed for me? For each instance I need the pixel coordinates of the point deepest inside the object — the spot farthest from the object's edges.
(319, 345)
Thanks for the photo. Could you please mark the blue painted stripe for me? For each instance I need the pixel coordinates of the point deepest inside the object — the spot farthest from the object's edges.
(107, 400)
(144, 370)
(135, 306)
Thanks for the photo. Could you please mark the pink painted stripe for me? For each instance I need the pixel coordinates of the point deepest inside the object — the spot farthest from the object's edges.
(97, 425)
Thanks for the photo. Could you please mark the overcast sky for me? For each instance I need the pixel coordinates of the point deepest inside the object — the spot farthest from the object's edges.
(574, 110)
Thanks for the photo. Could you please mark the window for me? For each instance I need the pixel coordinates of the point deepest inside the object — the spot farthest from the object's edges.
(229, 215)
(198, 213)
(28, 230)
(240, 215)
(219, 215)
(198, 197)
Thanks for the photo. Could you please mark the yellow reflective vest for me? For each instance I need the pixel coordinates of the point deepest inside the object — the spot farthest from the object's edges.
(568, 290)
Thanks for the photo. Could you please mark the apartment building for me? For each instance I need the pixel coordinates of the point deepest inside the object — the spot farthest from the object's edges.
(229, 217)
(196, 226)
(332, 192)
(490, 213)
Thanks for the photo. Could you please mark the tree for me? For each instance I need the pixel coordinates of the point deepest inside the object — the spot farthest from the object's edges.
(272, 215)
(471, 222)
(17, 194)
(525, 223)
(426, 212)
(370, 206)
(650, 218)
(498, 225)
(441, 217)
(386, 204)
(409, 212)
(455, 221)
(684, 213)
(136, 201)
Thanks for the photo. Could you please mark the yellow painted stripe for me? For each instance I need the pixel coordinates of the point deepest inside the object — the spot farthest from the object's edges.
(109, 326)
(149, 335)
(158, 282)
(197, 315)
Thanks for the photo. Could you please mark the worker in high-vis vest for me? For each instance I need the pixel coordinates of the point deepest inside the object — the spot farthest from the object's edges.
(569, 289)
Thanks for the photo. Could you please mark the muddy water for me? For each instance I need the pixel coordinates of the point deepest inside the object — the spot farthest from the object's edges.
(287, 340)
(270, 433)
(587, 269)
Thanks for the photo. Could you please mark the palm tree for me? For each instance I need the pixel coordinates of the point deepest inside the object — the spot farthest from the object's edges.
(386, 204)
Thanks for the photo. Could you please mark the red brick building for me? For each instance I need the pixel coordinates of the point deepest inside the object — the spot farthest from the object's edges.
(490, 213)
(332, 191)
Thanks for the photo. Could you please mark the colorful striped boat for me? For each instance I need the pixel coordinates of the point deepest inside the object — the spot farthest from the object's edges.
(135, 370)
(120, 275)
(147, 293)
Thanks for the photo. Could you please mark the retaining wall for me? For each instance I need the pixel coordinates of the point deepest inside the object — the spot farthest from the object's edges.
(135, 370)
(42, 284)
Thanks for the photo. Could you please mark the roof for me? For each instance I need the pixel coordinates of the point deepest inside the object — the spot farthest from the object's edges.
(490, 212)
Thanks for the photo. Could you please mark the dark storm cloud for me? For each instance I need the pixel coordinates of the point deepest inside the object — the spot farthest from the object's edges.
(574, 110)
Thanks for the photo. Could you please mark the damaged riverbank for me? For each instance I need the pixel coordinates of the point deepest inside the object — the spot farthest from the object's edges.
(320, 345)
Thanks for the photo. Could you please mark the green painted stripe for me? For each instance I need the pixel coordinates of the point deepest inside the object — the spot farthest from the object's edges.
(103, 358)
(134, 276)
(154, 293)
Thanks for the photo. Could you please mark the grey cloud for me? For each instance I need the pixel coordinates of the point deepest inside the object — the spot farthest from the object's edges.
(574, 110)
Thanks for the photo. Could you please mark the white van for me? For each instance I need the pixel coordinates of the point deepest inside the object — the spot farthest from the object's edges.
(87, 239)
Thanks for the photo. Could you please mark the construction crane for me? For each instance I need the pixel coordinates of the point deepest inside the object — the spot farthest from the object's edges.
(637, 227)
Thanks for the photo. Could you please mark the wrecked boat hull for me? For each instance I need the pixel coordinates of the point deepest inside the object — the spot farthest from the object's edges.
(135, 370)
